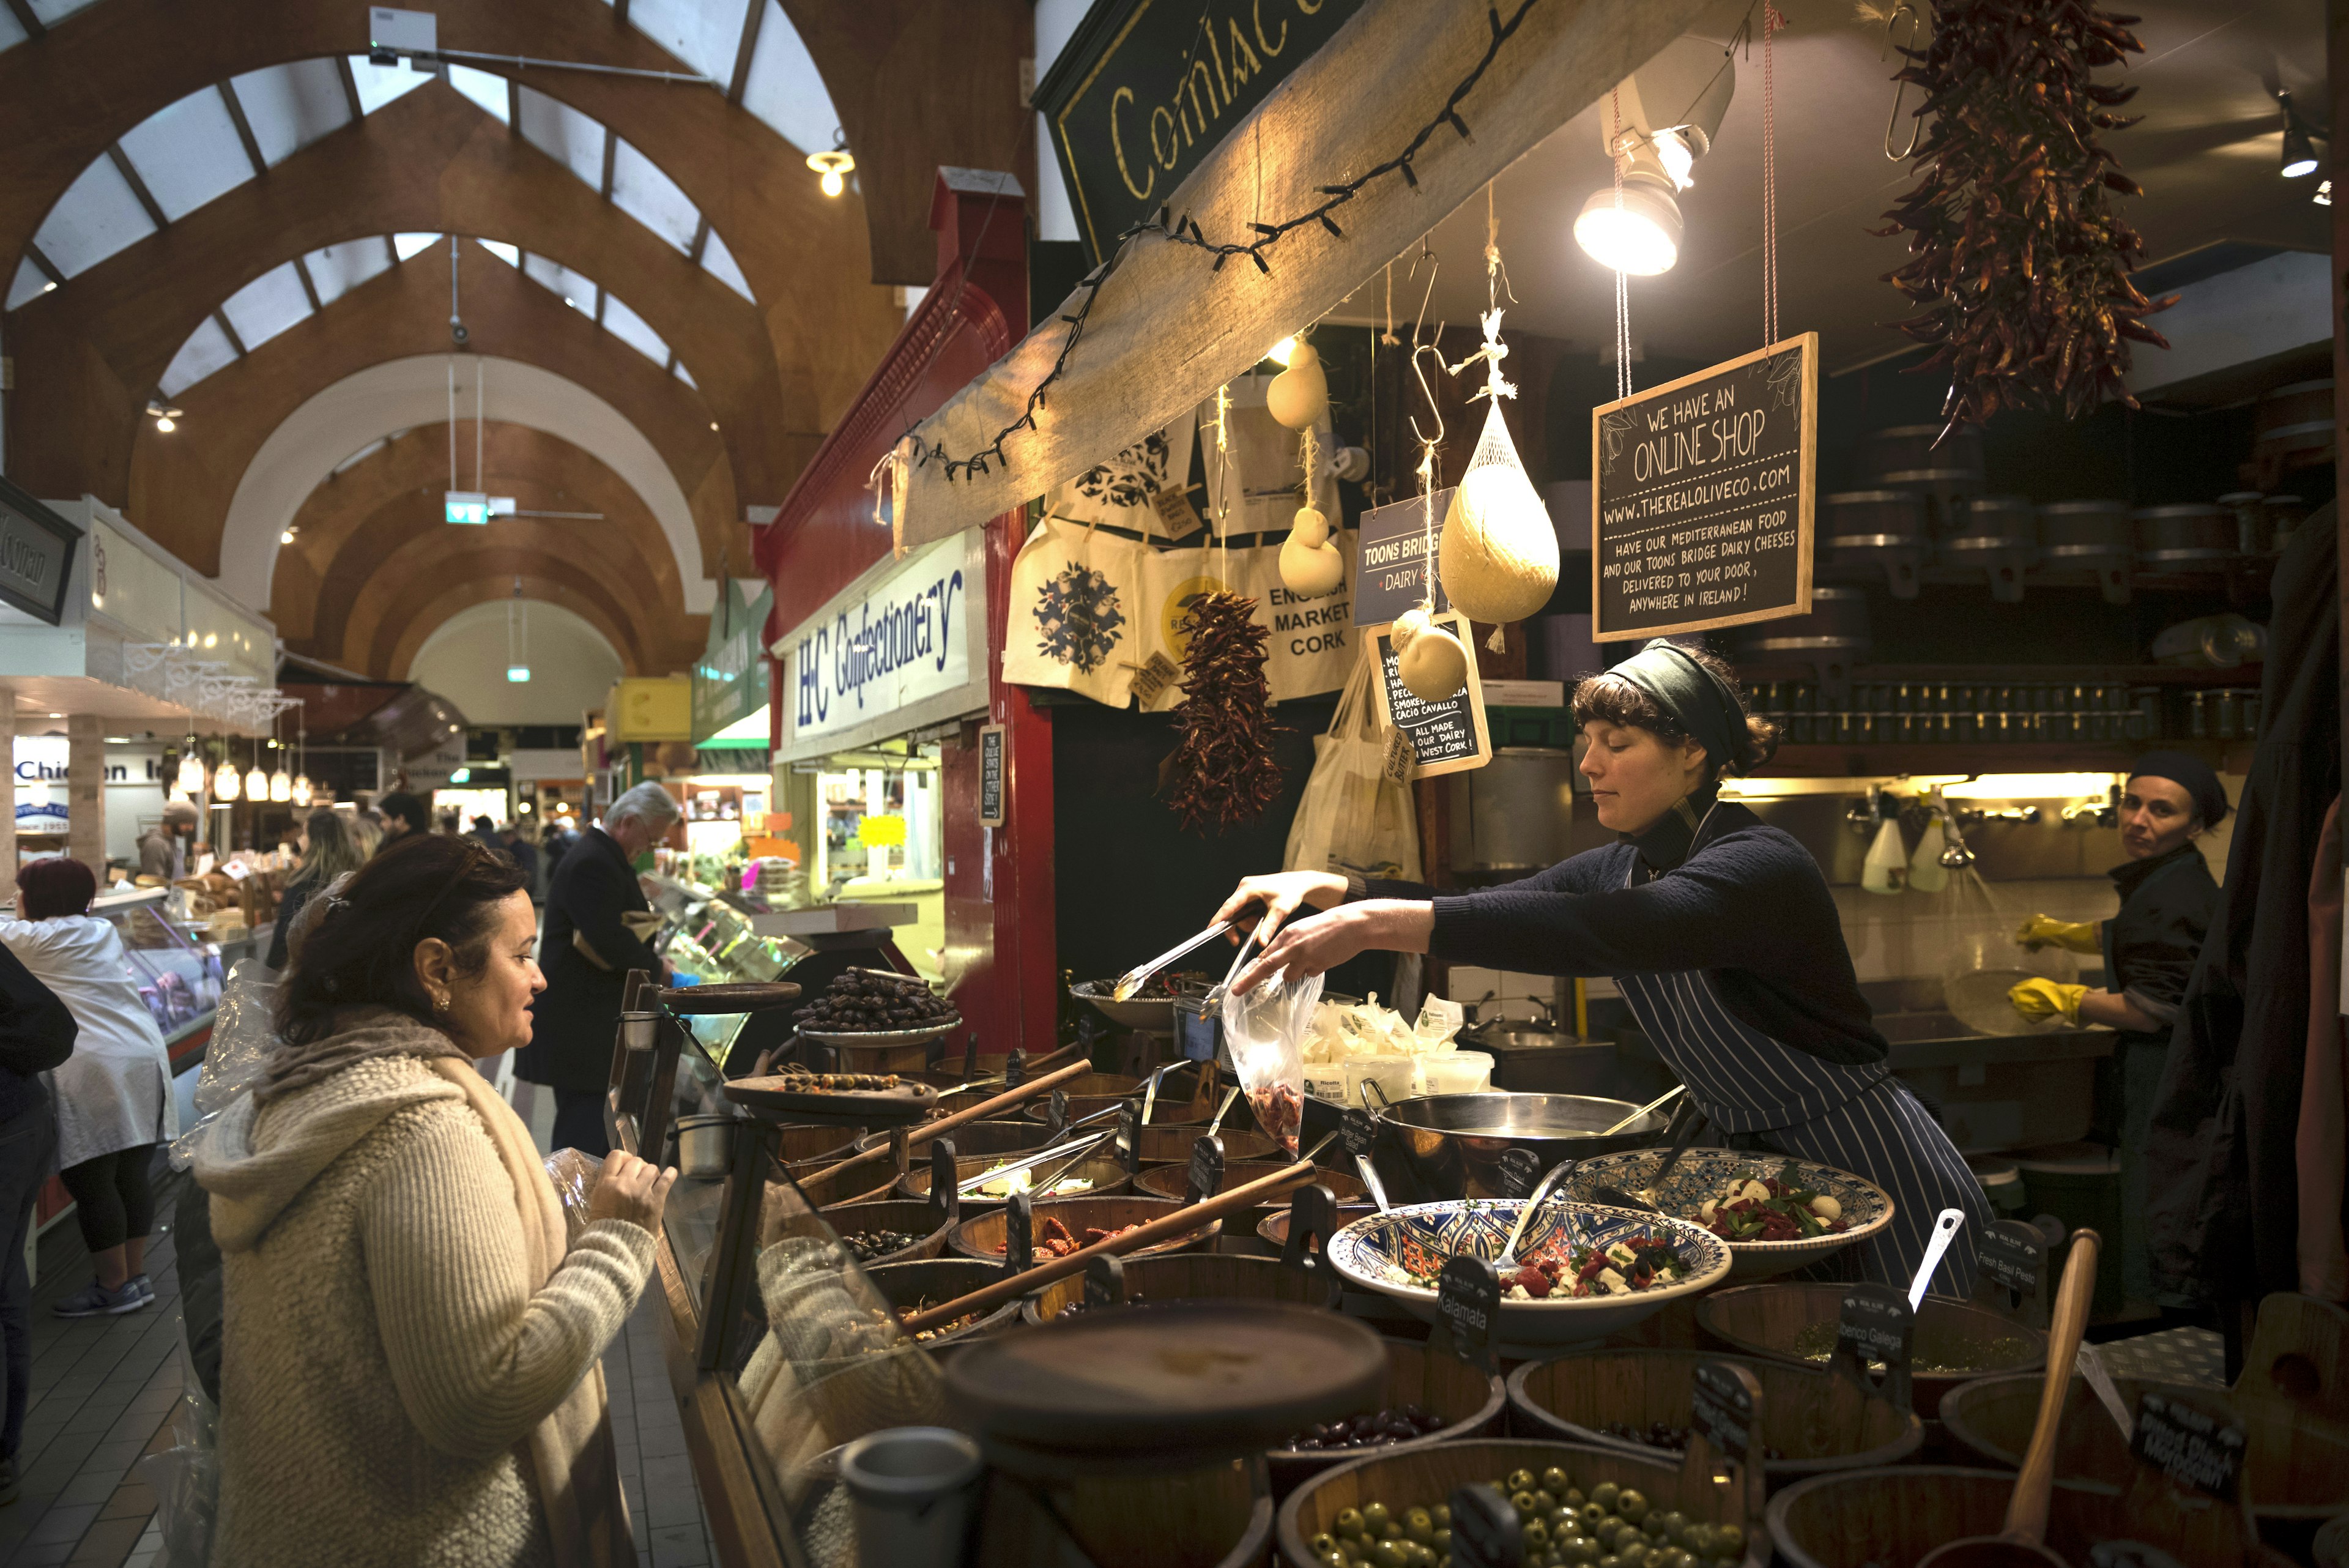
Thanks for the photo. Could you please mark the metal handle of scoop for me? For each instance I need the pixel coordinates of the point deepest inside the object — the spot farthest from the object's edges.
(1945, 1230)
(1371, 1180)
(1040, 1188)
(1135, 979)
(1659, 1101)
(1230, 1096)
(1541, 1195)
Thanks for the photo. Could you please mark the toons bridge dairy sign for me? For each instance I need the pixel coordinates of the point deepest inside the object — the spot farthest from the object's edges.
(901, 647)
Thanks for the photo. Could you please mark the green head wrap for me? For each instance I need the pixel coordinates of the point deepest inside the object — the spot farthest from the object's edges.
(1707, 706)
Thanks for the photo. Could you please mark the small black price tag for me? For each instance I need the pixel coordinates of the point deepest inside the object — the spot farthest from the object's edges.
(1520, 1172)
(1722, 1408)
(1015, 1068)
(2190, 1445)
(1056, 1111)
(1207, 1177)
(1469, 1309)
(1312, 1220)
(1129, 1137)
(1357, 1132)
(1485, 1530)
(1876, 1326)
(946, 1206)
(970, 1058)
(1019, 1235)
(1105, 1281)
(2011, 1269)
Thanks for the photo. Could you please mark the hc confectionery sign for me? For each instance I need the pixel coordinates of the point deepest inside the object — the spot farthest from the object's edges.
(901, 648)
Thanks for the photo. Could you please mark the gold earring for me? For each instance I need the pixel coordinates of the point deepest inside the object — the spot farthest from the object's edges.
(441, 1004)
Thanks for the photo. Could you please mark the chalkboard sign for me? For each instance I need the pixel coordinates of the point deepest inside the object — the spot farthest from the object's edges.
(1129, 1140)
(1015, 1068)
(1876, 1326)
(971, 1057)
(1447, 737)
(1701, 503)
(1019, 1235)
(1389, 548)
(1312, 1220)
(1206, 1173)
(1056, 1112)
(1520, 1173)
(1105, 1281)
(1469, 1309)
(2190, 1445)
(1485, 1529)
(946, 1204)
(1356, 1132)
(2011, 1271)
(1197, 1027)
(1721, 1407)
(990, 775)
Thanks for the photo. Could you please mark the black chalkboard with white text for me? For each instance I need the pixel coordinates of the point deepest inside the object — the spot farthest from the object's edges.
(990, 775)
(1701, 497)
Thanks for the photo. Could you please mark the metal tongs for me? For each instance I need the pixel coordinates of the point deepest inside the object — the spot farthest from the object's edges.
(1030, 1162)
(1135, 979)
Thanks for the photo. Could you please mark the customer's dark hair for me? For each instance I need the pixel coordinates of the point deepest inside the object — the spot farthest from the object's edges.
(54, 885)
(362, 952)
(410, 809)
(1615, 700)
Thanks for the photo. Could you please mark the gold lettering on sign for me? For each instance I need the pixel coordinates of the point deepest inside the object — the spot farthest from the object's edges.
(1244, 61)
(1191, 86)
(1312, 9)
(1266, 45)
(1173, 149)
(1117, 145)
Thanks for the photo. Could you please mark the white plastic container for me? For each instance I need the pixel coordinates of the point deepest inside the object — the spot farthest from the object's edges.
(1396, 1076)
(1456, 1071)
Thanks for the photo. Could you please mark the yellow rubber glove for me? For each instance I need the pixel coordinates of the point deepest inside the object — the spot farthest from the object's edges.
(2046, 930)
(2047, 998)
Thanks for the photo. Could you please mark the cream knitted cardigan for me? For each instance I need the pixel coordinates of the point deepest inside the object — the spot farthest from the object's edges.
(388, 1360)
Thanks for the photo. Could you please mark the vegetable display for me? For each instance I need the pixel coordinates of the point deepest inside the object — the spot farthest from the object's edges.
(1756, 1208)
(1623, 1268)
(867, 1245)
(1054, 1239)
(1223, 767)
(1378, 1430)
(1560, 1525)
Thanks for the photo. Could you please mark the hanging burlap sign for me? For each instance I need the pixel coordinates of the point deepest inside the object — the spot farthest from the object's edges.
(1076, 598)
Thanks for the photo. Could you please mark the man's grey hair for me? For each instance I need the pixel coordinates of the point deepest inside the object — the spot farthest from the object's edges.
(648, 804)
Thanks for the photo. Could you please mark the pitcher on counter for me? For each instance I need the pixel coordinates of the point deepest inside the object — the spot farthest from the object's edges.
(1718, 930)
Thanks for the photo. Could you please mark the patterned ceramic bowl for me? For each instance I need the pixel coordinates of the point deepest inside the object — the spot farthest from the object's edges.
(1703, 1173)
(1381, 1251)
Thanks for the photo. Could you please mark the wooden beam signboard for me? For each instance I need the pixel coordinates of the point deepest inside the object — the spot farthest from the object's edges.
(1701, 497)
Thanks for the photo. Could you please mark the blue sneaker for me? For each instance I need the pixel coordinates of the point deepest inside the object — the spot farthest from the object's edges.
(145, 1286)
(94, 1299)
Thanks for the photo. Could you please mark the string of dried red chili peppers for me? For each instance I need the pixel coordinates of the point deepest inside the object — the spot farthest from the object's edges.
(1224, 770)
(2021, 259)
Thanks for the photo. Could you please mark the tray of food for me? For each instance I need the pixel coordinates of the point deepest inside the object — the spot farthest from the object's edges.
(875, 1007)
(1150, 1009)
(797, 1095)
(1776, 1213)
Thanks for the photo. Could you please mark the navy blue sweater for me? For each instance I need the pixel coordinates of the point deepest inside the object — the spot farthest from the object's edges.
(1745, 901)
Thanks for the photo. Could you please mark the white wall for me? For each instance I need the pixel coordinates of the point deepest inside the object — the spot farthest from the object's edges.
(572, 666)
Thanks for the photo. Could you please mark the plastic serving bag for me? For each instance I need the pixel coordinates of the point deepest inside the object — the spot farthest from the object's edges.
(1266, 1031)
(574, 1176)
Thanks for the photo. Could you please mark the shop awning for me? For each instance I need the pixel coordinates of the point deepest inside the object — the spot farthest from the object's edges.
(1168, 328)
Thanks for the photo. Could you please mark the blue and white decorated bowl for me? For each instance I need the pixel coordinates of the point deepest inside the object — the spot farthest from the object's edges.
(1703, 1173)
(1380, 1251)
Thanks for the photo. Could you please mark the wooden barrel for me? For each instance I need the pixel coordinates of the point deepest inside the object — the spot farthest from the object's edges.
(899, 1214)
(1423, 1477)
(1174, 1181)
(1107, 1176)
(1005, 1136)
(914, 1284)
(802, 1144)
(1469, 1404)
(1218, 1516)
(1186, 1276)
(981, 1235)
(857, 1184)
(1767, 1320)
(1158, 1144)
(1814, 1422)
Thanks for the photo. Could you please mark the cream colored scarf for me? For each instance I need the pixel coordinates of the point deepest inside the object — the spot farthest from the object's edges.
(578, 1471)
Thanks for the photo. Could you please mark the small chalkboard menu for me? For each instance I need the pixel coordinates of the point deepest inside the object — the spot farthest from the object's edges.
(1520, 1172)
(1447, 737)
(1876, 1327)
(1701, 497)
(990, 775)
(1469, 1309)
(2192, 1446)
(1205, 1176)
(1390, 549)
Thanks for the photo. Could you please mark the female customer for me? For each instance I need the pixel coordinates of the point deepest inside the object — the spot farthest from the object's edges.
(1718, 930)
(410, 1360)
(114, 1092)
(329, 849)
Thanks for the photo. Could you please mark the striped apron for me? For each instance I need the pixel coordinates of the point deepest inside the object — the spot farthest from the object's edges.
(1769, 1096)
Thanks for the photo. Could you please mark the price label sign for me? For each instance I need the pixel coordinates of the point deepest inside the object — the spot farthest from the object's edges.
(1358, 1133)
(1206, 1175)
(1447, 737)
(945, 1204)
(2011, 1269)
(1129, 1140)
(1519, 1174)
(1312, 1220)
(1015, 1068)
(1154, 677)
(1056, 1111)
(991, 770)
(1105, 1281)
(1877, 1326)
(1389, 558)
(1469, 1309)
(1721, 1407)
(1019, 1235)
(2193, 1448)
(1485, 1529)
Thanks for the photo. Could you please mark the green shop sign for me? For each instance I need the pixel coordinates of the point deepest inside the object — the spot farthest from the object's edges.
(1146, 89)
(729, 681)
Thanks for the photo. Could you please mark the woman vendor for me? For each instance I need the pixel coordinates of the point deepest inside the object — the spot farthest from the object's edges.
(1720, 931)
(2148, 949)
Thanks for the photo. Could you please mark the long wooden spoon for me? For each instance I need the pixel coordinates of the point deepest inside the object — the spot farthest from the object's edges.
(2018, 1546)
(985, 1108)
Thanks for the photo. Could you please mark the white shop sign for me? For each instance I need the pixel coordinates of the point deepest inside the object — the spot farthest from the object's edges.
(903, 646)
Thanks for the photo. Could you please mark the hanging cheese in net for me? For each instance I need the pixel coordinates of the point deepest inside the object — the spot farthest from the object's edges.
(1498, 557)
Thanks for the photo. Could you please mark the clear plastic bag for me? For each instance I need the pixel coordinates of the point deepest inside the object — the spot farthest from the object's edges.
(244, 1032)
(185, 1479)
(1265, 1030)
(574, 1176)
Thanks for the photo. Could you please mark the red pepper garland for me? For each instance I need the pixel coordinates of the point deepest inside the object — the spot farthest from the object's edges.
(1224, 769)
(2020, 260)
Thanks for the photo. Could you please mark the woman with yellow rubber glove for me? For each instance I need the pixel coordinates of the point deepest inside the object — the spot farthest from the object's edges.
(2167, 901)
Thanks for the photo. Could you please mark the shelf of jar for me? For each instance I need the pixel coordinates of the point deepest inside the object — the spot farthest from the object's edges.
(1893, 759)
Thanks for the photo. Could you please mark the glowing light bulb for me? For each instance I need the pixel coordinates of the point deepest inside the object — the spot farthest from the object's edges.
(301, 789)
(1641, 236)
(192, 775)
(256, 784)
(832, 182)
(226, 784)
(287, 537)
(166, 424)
(281, 785)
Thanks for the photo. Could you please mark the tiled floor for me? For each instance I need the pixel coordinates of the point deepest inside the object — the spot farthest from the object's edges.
(104, 1390)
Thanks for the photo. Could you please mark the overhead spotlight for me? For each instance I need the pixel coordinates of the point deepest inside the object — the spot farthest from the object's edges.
(166, 417)
(2298, 148)
(1662, 119)
(50, 286)
(191, 778)
(287, 537)
(1643, 237)
(834, 166)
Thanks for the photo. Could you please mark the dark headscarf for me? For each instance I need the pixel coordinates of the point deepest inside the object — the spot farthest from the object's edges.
(2190, 773)
(1707, 706)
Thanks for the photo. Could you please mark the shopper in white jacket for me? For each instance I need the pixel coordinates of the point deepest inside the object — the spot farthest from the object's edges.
(113, 1093)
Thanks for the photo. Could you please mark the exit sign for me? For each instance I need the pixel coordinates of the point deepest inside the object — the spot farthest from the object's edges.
(470, 506)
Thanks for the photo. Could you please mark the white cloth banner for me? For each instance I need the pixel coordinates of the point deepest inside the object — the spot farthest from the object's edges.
(1311, 646)
(1076, 612)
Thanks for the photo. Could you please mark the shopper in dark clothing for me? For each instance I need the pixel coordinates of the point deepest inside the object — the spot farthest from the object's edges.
(329, 849)
(403, 814)
(37, 1033)
(578, 1013)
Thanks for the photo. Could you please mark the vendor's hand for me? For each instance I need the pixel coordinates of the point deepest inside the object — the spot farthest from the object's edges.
(1280, 896)
(2047, 998)
(632, 1189)
(2046, 930)
(1312, 946)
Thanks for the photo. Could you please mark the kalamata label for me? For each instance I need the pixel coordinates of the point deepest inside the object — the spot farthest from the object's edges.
(1468, 1308)
(1876, 1326)
(1019, 1235)
(1520, 1172)
(1105, 1281)
(1722, 1406)
(1206, 1175)
(2191, 1446)
(1485, 1529)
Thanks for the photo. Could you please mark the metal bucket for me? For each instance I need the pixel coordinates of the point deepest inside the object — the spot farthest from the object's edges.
(1450, 1145)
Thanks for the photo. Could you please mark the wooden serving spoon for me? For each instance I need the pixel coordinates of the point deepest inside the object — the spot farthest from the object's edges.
(2018, 1546)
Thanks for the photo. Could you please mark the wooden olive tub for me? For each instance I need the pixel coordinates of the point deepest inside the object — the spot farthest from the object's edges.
(981, 1235)
(1174, 1181)
(858, 1184)
(1469, 1403)
(1765, 1321)
(1186, 1276)
(814, 1308)
(2294, 1472)
(1159, 1143)
(1417, 1478)
(1002, 1138)
(905, 1060)
(915, 1284)
(891, 1214)
(1273, 1226)
(800, 1145)
(1102, 1168)
(1218, 1516)
(1820, 1423)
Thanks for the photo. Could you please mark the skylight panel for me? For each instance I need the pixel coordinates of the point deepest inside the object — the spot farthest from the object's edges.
(631, 329)
(291, 106)
(509, 255)
(337, 269)
(12, 32)
(187, 154)
(206, 350)
(30, 283)
(640, 190)
(682, 374)
(703, 34)
(52, 11)
(379, 85)
(96, 217)
(578, 290)
(266, 306)
(361, 455)
(719, 263)
(564, 134)
(785, 89)
(407, 245)
(487, 91)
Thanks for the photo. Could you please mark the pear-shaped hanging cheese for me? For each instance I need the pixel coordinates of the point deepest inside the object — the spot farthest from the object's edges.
(1498, 557)
(1299, 395)
(1429, 660)
(1309, 563)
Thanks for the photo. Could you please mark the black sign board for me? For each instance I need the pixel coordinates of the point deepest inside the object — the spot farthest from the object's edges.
(1312, 1220)
(1206, 1174)
(1356, 1132)
(970, 1058)
(1469, 1309)
(1485, 1529)
(1520, 1173)
(1105, 1281)
(1876, 1325)
(1392, 543)
(1701, 503)
(990, 775)
(1129, 1139)
(37, 549)
(2011, 1271)
(1447, 737)
(1015, 1068)
(945, 1203)
(2190, 1445)
(1019, 1235)
(1056, 1112)
(1721, 1407)
(1146, 89)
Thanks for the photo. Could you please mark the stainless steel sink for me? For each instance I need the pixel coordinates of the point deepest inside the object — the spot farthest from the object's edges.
(1998, 1091)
